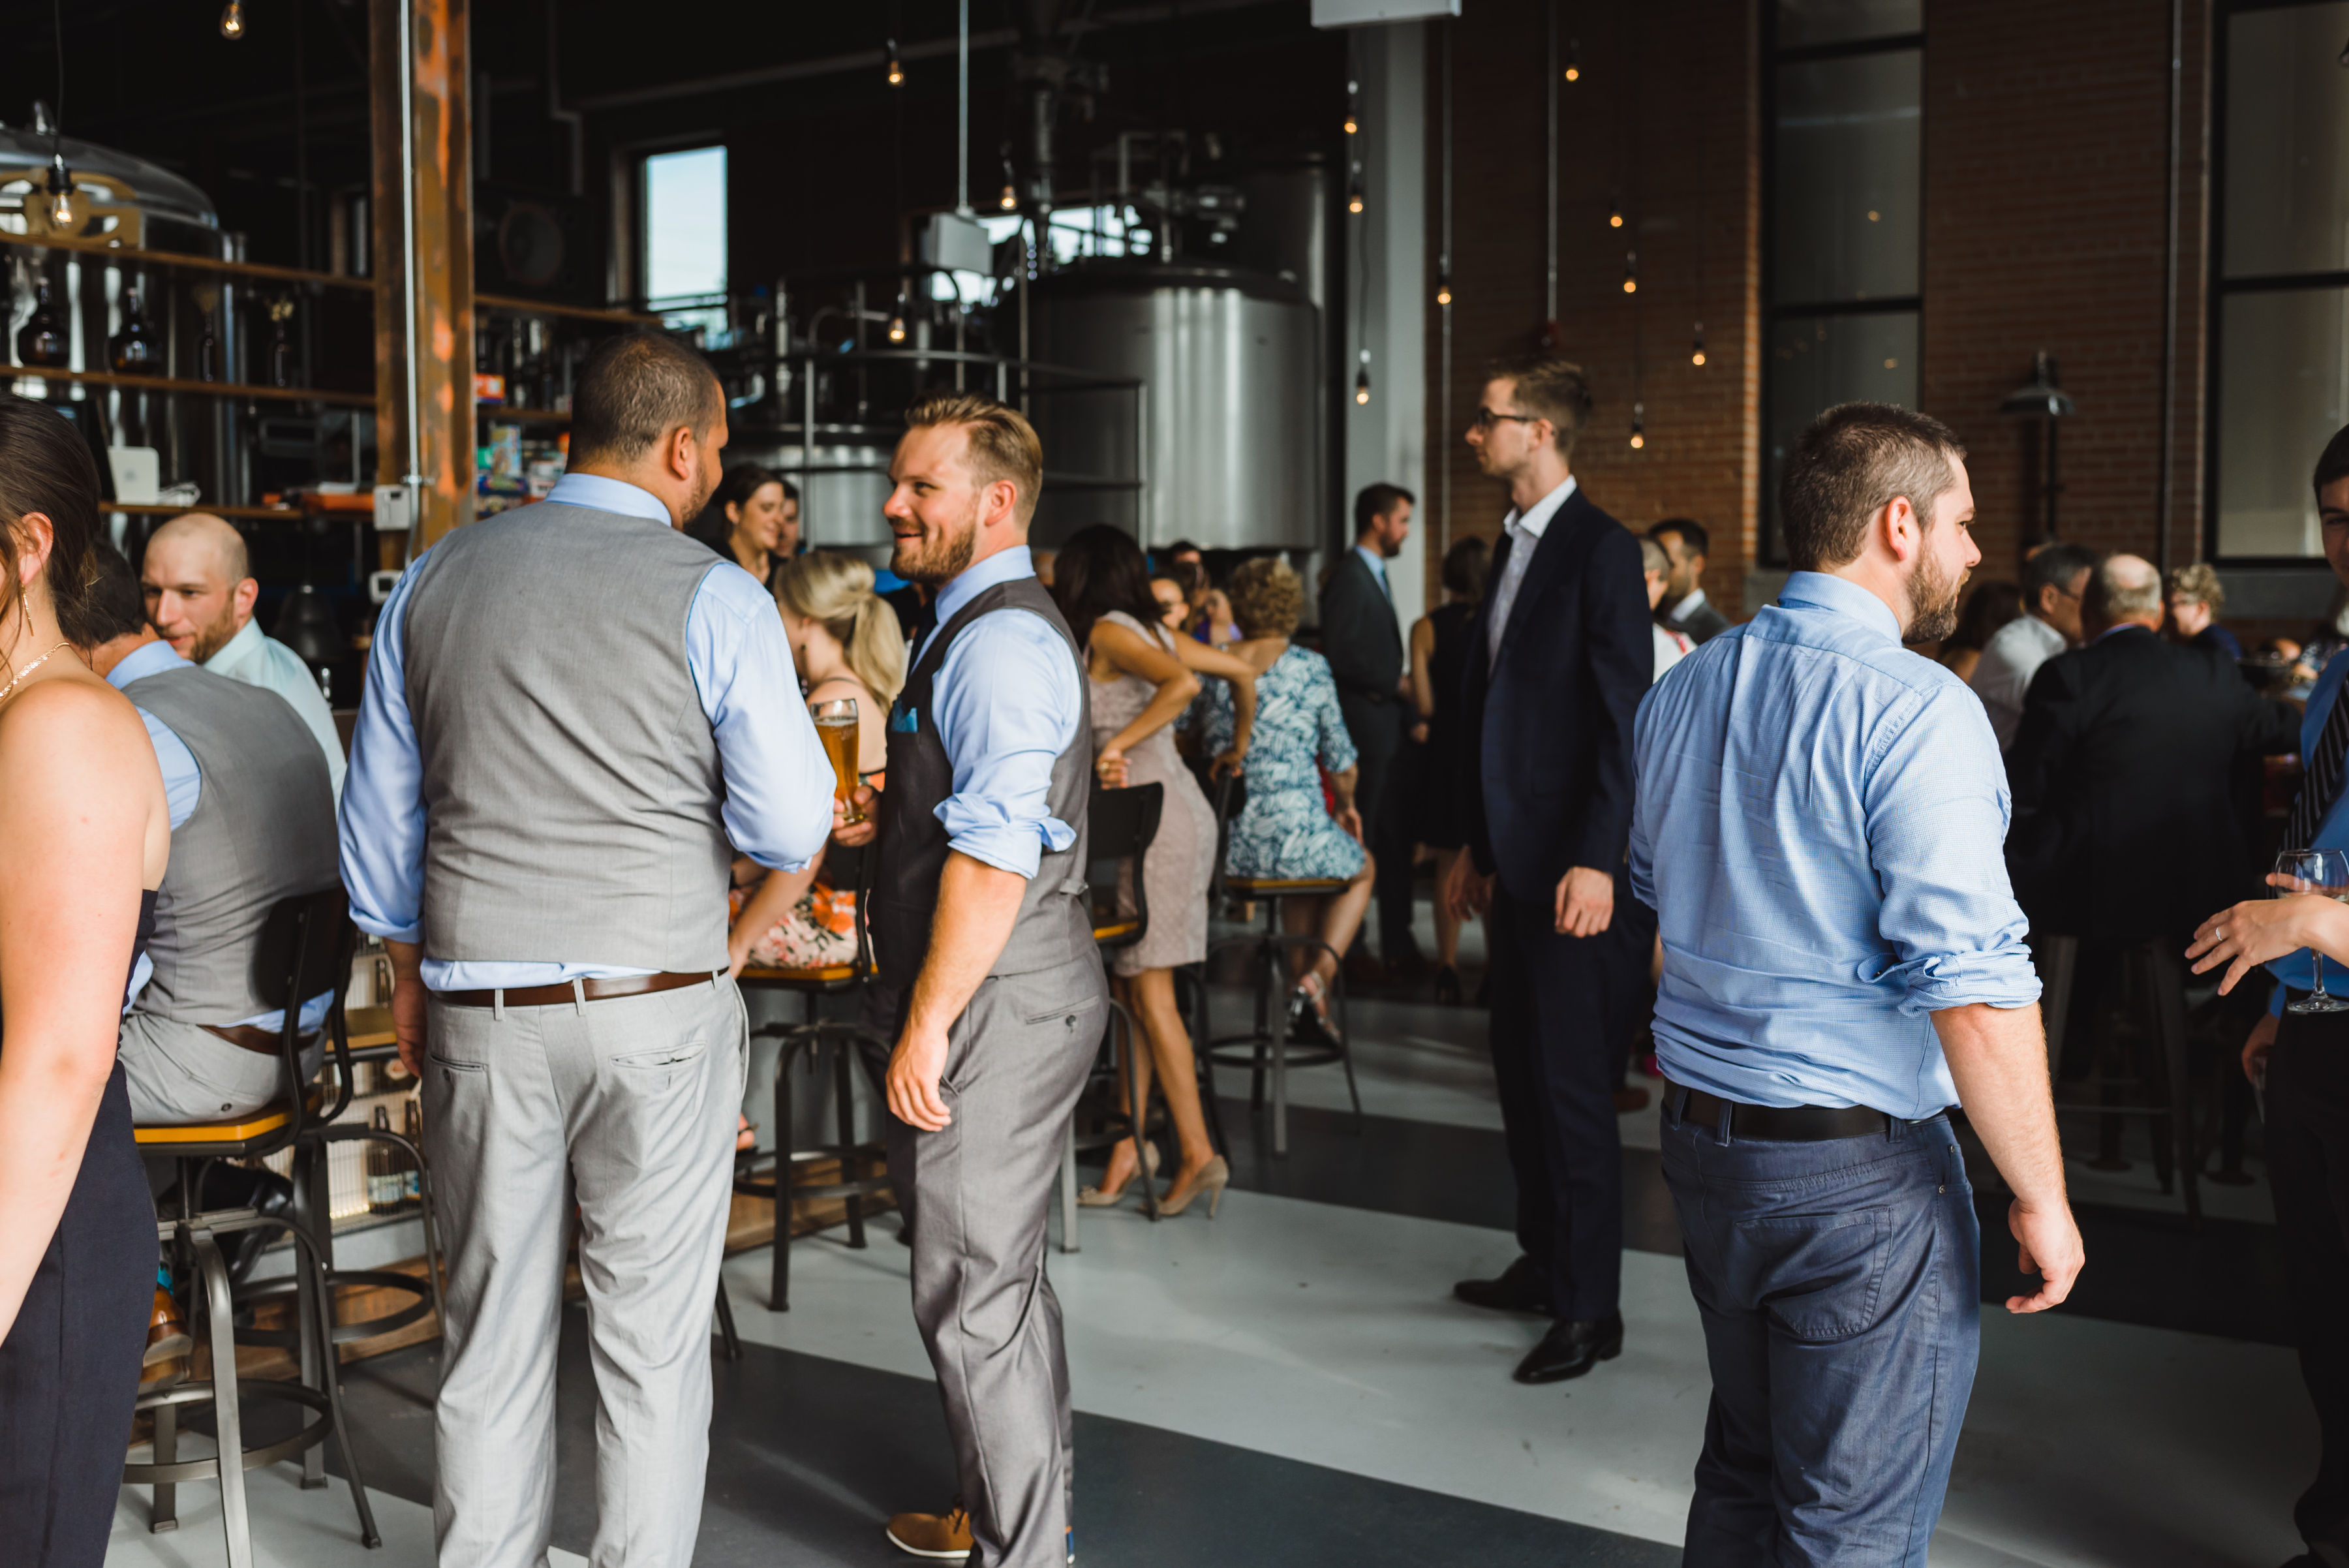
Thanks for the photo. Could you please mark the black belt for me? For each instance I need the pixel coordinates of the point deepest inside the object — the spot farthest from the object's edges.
(589, 990)
(1777, 1124)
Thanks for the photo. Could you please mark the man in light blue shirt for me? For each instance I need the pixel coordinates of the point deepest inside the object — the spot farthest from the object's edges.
(574, 717)
(990, 988)
(1819, 824)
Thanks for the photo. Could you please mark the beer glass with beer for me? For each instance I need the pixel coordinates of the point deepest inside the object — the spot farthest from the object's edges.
(835, 725)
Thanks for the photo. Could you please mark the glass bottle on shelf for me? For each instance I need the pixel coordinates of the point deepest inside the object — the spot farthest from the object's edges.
(281, 352)
(414, 1128)
(384, 1183)
(208, 348)
(42, 339)
(132, 351)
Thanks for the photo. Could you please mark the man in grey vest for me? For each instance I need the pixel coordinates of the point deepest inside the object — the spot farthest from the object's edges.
(989, 981)
(252, 822)
(570, 712)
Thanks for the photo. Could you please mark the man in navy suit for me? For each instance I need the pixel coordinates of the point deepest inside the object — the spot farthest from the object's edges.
(1562, 657)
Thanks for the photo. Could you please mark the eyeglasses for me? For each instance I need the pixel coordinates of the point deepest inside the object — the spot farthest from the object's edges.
(1486, 418)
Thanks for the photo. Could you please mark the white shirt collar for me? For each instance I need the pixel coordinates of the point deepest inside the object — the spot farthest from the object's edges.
(1688, 606)
(1537, 521)
(235, 651)
(1373, 559)
(601, 492)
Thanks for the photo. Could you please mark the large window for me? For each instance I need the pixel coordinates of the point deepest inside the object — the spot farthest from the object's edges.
(683, 201)
(2280, 305)
(1845, 210)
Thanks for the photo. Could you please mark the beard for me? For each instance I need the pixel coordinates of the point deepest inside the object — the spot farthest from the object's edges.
(941, 558)
(210, 639)
(1932, 602)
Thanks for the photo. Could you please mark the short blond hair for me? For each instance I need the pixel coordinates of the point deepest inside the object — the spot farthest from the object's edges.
(1266, 599)
(1003, 445)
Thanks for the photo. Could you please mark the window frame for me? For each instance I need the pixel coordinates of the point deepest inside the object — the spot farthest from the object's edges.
(1770, 551)
(632, 196)
(2219, 287)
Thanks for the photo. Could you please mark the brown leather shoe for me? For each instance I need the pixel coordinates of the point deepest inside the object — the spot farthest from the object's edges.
(941, 1538)
(167, 1345)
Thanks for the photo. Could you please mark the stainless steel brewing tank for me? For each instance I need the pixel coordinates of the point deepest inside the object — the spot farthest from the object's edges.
(1230, 447)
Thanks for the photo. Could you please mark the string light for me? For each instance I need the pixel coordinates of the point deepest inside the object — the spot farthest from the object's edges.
(897, 324)
(1354, 190)
(1353, 116)
(897, 66)
(1010, 187)
(1574, 59)
(1614, 215)
(1638, 426)
(1696, 355)
(1362, 379)
(1631, 272)
(1444, 293)
(1353, 125)
(231, 22)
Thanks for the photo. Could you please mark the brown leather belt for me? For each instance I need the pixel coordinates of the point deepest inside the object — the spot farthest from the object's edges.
(591, 990)
(1777, 1124)
(260, 1041)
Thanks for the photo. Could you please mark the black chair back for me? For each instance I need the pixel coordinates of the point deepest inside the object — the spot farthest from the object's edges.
(1229, 797)
(851, 867)
(1121, 824)
(305, 949)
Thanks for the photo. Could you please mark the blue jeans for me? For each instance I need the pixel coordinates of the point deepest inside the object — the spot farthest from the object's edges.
(1839, 1282)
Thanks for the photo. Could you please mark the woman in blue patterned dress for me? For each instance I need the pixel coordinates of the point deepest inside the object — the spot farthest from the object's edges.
(1284, 831)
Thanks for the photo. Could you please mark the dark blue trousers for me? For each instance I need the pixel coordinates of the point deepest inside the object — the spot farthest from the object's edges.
(1839, 1283)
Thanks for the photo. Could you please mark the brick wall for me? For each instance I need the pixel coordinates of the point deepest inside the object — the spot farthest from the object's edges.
(2045, 145)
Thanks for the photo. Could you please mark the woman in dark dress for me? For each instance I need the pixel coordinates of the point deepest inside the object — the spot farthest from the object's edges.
(89, 834)
(752, 519)
(1439, 662)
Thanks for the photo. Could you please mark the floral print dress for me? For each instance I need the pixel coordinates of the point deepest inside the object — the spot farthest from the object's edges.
(1284, 831)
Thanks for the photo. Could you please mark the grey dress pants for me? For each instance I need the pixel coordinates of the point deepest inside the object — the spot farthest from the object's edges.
(625, 1107)
(976, 1193)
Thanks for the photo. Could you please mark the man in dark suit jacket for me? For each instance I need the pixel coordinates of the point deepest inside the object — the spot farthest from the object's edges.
(2125, 824)
(1363, 643)
(1685, 608)
(1561, 656)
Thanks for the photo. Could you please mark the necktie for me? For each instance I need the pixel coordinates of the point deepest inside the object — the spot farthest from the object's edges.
(2322, 783)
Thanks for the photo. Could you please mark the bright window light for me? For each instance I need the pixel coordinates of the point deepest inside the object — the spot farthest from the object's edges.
(685, 231)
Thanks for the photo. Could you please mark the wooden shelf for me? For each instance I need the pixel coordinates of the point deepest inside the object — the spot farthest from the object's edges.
(203, 388)
(125, 255)
(521, 416)
(253, 514)
(580, 312)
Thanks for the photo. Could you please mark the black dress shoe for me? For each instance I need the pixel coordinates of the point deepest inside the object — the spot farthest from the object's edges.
(1520, 1288)
(1571, 1348)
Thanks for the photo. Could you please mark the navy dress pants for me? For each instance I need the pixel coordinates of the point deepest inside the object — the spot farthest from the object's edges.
(1839, 1283)
(70, 1367)
(2307, 1116)
(1558, 1005)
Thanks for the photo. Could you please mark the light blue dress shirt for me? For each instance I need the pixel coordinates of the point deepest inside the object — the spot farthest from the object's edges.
(740, 663)
(183, 785)
(1820, 826)
(1377, 565)
(1006, 702)
(2298, 970)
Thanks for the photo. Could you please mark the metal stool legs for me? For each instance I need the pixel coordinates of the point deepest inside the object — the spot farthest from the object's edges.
(843, 1041)
(1269, 1047)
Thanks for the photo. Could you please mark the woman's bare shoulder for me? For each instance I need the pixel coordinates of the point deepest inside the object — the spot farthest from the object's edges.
(71, 727)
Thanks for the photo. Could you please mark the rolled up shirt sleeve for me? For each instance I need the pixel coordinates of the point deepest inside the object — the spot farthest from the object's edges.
(1008, 705)
(778, 784)
(1937, 808)
(380, 823)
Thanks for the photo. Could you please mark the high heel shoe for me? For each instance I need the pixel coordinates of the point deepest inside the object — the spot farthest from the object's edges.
(1447, 987)
(1096, 1197)
(1212, 1177)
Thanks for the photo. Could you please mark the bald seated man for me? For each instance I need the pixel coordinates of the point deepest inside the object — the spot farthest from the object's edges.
(2126, 825)
(199, 592)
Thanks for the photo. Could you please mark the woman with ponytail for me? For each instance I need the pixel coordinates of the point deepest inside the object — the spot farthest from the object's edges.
(87, 836)
(845, 642)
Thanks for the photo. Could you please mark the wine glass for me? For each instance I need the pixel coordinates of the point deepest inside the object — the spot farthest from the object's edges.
(2325, 871)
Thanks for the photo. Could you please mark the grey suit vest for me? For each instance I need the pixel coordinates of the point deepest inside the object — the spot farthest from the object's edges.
(1054, 926)
(571, 790)
(263, 829)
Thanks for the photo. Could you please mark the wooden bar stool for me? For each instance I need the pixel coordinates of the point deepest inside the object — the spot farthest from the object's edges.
(306, 948)
(1121, 826)
(769, 1173)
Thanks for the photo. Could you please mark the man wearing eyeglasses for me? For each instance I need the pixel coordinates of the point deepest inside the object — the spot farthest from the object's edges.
(2054, 580)
(1561, 656)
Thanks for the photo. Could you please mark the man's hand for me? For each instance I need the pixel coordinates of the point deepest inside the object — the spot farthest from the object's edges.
(1586, 902)
(848, 835)
(1419, 733)
(408, 999)
(2049, 1246)
(1467, 891)
(2256, 1048)
(915, 1068)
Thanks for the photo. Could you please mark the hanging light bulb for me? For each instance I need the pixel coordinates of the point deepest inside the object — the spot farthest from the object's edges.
(1631, 272)
(1010, 185)
(60, 195)
(1362, 379)
(1574, 59)
(1638, 426)
(1353, 125)
(1614, 215)
(1354, 190)
(1444, 293)
(897, 66)
(1353, 119)
(897, 325)
(1696, 355)
(233, 20)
